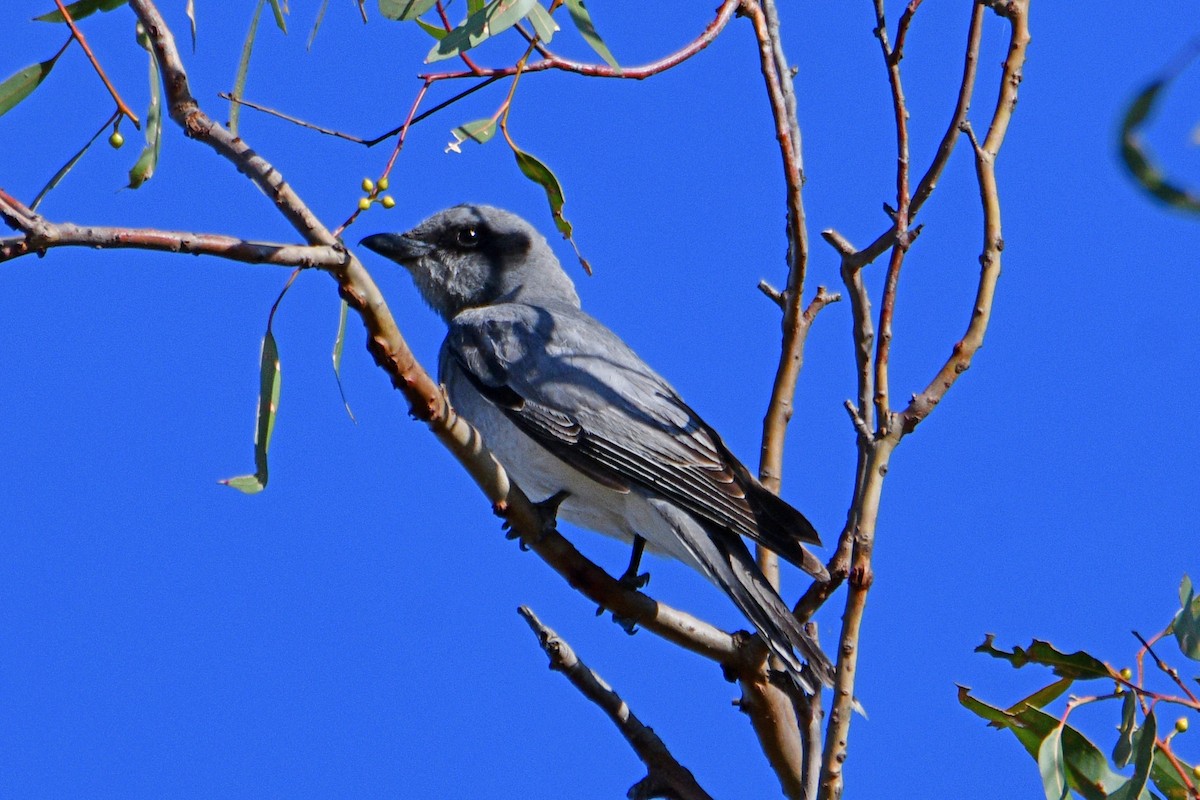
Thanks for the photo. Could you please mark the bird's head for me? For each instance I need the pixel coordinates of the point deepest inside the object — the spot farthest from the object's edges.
(470, 256)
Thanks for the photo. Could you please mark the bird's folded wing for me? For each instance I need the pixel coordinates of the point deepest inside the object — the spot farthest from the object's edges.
(574, 387)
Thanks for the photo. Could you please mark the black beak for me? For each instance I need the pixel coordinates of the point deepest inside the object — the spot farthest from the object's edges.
(399, 247)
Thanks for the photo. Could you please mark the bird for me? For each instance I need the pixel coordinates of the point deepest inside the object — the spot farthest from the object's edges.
(577, 418)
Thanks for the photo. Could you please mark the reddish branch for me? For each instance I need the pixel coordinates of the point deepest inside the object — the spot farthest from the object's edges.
(738, 654)
(877, 442)
(112, 90)
(555, 62)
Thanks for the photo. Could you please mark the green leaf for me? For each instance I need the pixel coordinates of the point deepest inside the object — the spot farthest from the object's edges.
(339, 343)
(438, 33)
(20, 85)
(496, 17)
(312, 36)
(474, 6)
(81, 9)
(404, 9)
(543, 24)
(1186, 625)
(239, 81)
(539, 173)
(1144, 758)
(479, 131)
(1138, 159)
(62, 172)
(280, 20)
(1046, 695)
(1074, 665)
(143, 169)
(1086, 768)
(1123, 749)
(583, 21)
(1050, 765)
(268, 404)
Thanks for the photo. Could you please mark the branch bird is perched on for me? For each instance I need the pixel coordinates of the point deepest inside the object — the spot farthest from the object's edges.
(573, 413)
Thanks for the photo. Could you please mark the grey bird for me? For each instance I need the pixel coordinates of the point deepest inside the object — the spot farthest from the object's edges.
(574, 415)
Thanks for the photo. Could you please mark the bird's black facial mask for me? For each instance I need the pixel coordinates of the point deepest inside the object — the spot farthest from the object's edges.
(468, 256)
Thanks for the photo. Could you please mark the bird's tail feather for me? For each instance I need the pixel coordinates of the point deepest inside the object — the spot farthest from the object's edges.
(724, 559)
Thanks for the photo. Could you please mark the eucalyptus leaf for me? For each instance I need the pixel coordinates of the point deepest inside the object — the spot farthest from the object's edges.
(20, 85)
(81, 9)
(494, 18)
(583, 21)
(404, 9)
(268, 404)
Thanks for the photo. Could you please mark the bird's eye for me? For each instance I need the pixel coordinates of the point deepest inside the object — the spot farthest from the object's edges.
(468, 237)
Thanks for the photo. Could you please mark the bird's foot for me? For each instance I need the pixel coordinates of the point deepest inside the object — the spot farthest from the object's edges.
(547, 511)
(632, 580)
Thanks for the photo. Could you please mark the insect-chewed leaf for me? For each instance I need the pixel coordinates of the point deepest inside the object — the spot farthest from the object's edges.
(583, 21)
(1087, 770)
(20, 85)
(1074, 665)
(496, 17)
(404, 9)
(478, 131)
(81, 9)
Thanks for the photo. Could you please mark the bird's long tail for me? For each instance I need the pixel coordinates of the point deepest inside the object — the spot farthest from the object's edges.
(725, 560)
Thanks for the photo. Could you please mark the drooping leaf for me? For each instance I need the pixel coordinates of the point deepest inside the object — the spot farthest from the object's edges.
(404, 9)
(1087, 769)
(81, 9)
(1137, 157)
(543, 24)
(239, 81)
(1186, 625)
(190, 10)
(478, 131)
(143, 169)
(339, 343)
(268, 405)
(1079, 665)
(65, 168)
(20, 85)
(1135, 787)
(532, 168)
(312, 36)
(496, 17)
(583, 21)
(1051, 766)
(1123, 749)
(279, 11)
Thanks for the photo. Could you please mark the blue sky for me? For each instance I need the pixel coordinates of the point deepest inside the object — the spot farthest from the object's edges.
(352, 630)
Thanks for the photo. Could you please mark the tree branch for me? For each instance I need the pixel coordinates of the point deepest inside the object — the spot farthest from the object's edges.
(554, 62)
(665, 777)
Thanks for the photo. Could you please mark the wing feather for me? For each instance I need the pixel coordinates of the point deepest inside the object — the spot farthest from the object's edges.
(573, 386)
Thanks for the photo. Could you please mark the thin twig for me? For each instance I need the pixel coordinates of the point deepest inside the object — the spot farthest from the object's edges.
(425, 398)
(710, 33)
(83, 42)
(666, 777)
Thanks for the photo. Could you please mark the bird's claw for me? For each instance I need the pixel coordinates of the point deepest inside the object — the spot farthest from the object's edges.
(547, 511)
